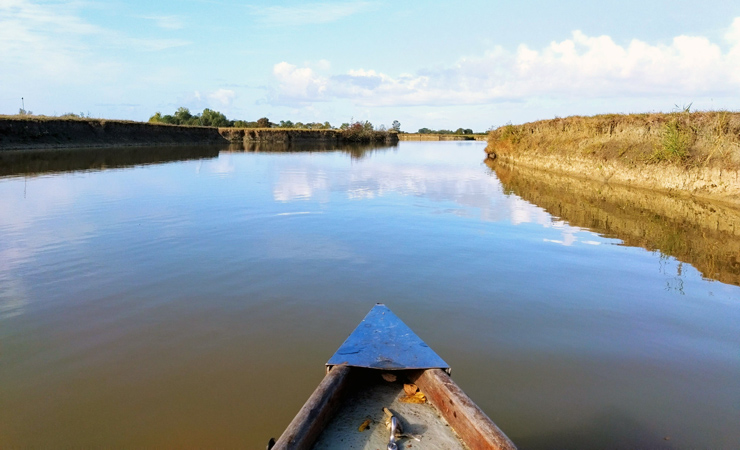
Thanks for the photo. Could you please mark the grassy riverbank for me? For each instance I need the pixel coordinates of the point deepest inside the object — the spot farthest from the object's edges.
(693, 153)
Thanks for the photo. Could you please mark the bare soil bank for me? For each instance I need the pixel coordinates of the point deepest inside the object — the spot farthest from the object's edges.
(46, 133)
(698, 232)
(40, 133)
(696, 154)
(300, 136)
(439, 137)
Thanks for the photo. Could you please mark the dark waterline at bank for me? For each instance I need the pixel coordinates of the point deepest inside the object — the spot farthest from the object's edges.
(194, 302)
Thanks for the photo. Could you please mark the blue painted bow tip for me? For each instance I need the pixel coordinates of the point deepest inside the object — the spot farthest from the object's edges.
(383, 341)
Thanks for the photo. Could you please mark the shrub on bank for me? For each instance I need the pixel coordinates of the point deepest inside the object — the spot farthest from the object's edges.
(363, 132)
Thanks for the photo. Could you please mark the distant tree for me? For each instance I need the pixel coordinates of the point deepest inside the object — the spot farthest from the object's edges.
(459, 131)
(344, 126)
(23, 112)
(425, 131)
(263, 123)
(182, 116)
(159, 118)
(396, 126)
(468, 131)
(382, 127)
(317, 125)
(286, 124)
(211, 118)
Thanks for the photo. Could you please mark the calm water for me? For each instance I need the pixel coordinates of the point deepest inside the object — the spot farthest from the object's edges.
(193, 303)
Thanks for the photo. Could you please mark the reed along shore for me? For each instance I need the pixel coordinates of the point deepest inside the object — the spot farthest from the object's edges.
(687, 153)
(19, 132)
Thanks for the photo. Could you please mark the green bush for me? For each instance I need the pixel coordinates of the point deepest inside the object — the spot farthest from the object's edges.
(676, 142)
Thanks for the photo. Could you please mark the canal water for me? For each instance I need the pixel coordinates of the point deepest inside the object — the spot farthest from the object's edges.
(189, 298)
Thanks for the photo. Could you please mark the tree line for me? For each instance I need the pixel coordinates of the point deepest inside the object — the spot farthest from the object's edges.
(211, 118)
(458, 131)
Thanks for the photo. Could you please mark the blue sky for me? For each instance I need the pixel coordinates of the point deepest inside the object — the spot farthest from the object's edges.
(435, 64)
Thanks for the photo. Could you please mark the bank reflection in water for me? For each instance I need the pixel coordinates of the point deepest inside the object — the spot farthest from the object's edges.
(49, 161)
(355, 150)
(39, 162)
(705, 235)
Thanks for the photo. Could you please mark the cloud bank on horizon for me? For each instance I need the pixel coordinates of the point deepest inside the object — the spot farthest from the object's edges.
(128, 60)
(582, 66)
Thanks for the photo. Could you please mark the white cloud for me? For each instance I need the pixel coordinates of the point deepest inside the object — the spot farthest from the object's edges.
(733, 34)
(51, 42)
(298, 84)
(309, 13)
(154, 45)
(167, 22)
(223, 97)
(198, 100)
(48, 39)
(579, 67)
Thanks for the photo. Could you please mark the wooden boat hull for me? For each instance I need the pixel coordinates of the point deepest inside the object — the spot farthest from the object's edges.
(366, 384)
(348, 396)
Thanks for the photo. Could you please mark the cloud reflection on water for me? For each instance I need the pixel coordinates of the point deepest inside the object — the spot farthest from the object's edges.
(472, 188)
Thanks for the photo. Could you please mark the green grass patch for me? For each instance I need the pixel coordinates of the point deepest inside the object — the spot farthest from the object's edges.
(676, 143)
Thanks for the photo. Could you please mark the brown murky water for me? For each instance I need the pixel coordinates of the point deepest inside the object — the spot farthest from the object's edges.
(189, 299)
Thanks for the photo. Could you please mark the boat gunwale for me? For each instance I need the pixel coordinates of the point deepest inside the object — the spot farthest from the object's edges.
(318, 410)
(474, 428)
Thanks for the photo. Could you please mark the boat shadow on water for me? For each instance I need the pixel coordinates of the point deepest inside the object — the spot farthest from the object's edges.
(697, 232)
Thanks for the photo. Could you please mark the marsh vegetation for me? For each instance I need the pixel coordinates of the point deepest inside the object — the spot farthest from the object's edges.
(690, 139)
(685, 153)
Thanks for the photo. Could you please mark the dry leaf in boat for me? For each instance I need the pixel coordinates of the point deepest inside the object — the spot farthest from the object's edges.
(410, 389)
(389, 377)
(388, 414)
(365, 425)
(416, 398)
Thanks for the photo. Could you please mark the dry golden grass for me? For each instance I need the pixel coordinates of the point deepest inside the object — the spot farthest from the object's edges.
(692, 139)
